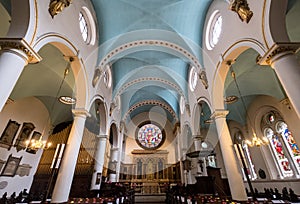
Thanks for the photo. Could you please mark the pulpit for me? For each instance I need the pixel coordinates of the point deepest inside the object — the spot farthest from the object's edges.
(221, 184)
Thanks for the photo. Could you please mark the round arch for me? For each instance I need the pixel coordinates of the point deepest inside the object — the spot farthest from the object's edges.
(70, 51)
(229, 56)
(113, 135)
(101, 112)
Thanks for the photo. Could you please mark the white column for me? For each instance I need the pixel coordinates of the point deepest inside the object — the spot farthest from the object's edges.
(120, 153)
(66, 172)
(281, 57)
(287, 69)
(113, 164)
(232, 170)
(99, 162)
(15, 54)
(12, 63)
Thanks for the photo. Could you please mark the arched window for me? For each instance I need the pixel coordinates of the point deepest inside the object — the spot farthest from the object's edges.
(246, 156)
(283, 146)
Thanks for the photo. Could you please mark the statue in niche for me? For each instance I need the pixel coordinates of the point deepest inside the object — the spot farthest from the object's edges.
(57, 6)
(242, 9)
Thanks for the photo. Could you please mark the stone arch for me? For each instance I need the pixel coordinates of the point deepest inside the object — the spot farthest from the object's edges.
(229, 56)
(69, 50)
(100, 106)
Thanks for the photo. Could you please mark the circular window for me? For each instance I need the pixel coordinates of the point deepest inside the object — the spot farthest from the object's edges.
(150, 136)
(193, 78)
(87, 26)
(214, 29)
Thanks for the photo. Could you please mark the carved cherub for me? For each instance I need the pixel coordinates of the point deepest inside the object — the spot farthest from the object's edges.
(57, 6)
(242, 9)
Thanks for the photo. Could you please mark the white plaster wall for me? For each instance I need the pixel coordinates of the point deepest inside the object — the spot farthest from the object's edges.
(24, 110)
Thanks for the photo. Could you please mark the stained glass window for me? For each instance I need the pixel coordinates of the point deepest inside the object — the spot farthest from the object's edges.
(279, 152)
(290, 142)
(150, 136)
(285, 150)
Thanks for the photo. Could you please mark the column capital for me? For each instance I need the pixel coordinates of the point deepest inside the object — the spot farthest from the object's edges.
(219, 113)
(197, 137)
(81, 112)
(103, 136)
(114, 148)
(21, 45)
(277, 51)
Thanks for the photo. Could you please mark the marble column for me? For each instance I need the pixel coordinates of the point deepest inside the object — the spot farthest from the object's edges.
(15, 54)
(232, 168)
(66, 171)
(282, 59)
(99, 162)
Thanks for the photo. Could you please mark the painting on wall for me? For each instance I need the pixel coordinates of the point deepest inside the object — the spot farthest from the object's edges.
(35, 136)
(24, 135)
(11, 166)
(9, 133)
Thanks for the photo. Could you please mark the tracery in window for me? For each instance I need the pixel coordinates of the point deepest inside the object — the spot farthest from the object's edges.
(282, 144)
(150, 136)
(83, 27)
(290, 142)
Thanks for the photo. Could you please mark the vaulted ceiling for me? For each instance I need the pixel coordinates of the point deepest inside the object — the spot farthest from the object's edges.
(148, 75)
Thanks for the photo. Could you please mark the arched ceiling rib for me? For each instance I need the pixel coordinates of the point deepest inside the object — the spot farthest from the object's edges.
(154, 40)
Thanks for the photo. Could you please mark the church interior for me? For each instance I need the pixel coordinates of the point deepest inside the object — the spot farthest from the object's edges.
(124, 101)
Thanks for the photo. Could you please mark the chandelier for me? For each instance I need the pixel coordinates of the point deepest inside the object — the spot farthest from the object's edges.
(38, 144)
(255, 141)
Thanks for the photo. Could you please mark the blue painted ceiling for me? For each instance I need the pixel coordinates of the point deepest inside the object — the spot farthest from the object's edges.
(176, 21)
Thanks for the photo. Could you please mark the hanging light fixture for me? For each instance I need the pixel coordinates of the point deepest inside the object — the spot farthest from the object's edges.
(34, 144)
(255, 141)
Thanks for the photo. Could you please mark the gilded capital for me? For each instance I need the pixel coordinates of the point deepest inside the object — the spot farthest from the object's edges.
(21, 45)
(277, 51)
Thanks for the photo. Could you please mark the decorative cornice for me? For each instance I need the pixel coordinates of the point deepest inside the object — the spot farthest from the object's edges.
(152, 102)
(219, 114)
(193, 59)
(22, 45)
(277, 51)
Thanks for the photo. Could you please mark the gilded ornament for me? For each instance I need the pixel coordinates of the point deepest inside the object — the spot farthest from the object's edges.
(57, 6)
(242, 9)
